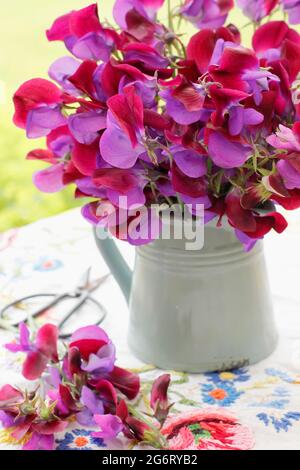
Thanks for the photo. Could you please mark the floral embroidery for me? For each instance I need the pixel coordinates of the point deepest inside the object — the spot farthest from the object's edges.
(232, 376)
(221, 394)
(45, 264)
(79, 439)
(207, 429)
(280, 374)
(280, 423)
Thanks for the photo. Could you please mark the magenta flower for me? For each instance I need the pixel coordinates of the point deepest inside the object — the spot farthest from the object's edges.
(159, 397)
(39, 352)
(256, 10)
(83, 34)
(286, 138)
(146, 8)
(110, 426)
(292, 8)
(206, 13)
(225, 152)
(184, 101)
(122, 142)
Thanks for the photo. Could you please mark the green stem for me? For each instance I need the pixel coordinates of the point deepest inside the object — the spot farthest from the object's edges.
(170, 18)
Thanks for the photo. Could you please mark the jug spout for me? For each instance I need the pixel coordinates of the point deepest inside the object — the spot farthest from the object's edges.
(114, 260)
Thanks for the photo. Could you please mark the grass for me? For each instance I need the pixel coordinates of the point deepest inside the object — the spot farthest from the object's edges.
(27, 54)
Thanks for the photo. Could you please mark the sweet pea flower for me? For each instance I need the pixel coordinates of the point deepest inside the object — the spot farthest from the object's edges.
(146, 8)
(226, 152)
(38, 353)
(289, 169)
(83, 34)
(127, 183)
(159, 397)
(110, 426)
(256, 10)
(240, 118)
(276, 41)
(61, 70)
(206, 13)
(41, 96)
(292, 8)
(184, 101)
(92, 405)
(286, 138)
(122, 142)
(85, 126)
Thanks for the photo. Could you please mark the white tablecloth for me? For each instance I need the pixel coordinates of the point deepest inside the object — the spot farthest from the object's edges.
(51, 254)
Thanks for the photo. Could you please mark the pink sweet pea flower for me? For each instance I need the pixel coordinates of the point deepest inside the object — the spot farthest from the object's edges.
(32, 95)
(292, 8)
(122, 142)
(256, 10)
(286, 138)
(184, 101)
(146, 8)
(83, 34)
(159, 397)
(110, 426)
(39, 353)
(226, 152)
(206, 13)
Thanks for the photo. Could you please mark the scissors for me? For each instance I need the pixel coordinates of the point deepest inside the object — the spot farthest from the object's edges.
(81, 293)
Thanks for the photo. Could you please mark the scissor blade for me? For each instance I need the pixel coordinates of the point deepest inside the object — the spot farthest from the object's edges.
(93, 285)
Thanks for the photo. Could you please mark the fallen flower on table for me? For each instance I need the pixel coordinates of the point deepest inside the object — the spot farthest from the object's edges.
(82, 384)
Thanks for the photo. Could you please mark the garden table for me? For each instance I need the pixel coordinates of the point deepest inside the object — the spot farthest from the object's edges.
(50, 254)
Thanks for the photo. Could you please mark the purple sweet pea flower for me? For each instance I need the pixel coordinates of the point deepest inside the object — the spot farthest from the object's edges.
(85, 126)
(292, 8)
(190, 162)
(256, 10)
(40, 442)
(61, 70)
(240, 117)
(177, 110)
(285, 138)
(62, 145)
(50, 180)
(94, 46)
(146, 90)
(87, 186)
(226, 153)
(206, 13)
(40, 121)
(92, 406)
(247, 242)
(290, 174)
(39, 352)
(146, 8)
(116, 147)
(101, 362)
(147, 55)
(110, 426)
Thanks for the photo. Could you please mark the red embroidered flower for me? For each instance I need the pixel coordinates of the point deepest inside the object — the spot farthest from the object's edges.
(209, 429)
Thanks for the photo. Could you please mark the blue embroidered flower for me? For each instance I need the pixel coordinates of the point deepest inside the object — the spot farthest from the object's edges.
(280, 374)
(47, 264)
(222, 394)
(79, 439)
(282, 423)
(232, 376)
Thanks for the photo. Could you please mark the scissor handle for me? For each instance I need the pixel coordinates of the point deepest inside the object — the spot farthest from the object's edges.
(85, 298)
(56, 299)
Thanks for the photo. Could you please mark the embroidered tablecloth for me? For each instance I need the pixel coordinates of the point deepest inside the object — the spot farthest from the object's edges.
(51, 254)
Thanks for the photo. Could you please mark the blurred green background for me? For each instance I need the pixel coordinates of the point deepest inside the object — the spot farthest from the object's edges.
(27, 54)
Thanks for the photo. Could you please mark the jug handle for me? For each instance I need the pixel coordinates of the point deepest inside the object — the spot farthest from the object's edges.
(115, 261)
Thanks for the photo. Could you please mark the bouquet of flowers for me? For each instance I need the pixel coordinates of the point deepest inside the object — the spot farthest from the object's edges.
(140, 116)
